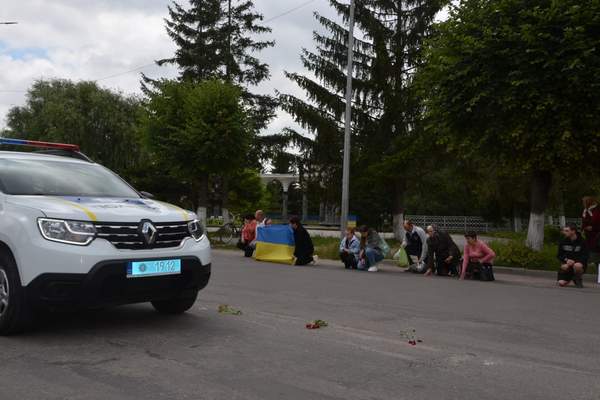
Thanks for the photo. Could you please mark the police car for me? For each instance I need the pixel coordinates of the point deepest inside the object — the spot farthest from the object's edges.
(73, 234)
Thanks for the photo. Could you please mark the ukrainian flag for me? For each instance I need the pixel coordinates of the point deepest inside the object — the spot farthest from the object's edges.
(275, 243)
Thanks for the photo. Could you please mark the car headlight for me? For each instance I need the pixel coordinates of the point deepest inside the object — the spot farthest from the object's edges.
(64, 231)
(196, 230)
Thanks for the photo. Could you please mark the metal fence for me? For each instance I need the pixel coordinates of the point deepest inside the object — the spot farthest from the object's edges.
(470, 223)
(453, 223)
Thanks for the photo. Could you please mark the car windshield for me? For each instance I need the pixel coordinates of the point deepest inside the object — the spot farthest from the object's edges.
(55, 178)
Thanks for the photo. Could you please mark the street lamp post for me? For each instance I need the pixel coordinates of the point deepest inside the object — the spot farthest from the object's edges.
(347, 130)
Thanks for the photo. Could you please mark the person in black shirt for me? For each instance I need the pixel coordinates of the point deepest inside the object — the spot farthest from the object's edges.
(443, 255)
(304, 250)
(573, 256)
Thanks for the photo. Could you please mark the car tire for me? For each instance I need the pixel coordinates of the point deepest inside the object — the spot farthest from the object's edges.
(177, 305)
(15, 314)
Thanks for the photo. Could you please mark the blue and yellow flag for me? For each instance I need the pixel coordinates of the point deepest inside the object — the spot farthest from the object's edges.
(275, 243)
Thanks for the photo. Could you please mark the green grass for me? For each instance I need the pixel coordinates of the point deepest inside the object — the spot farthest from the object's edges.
(520, 236)
(328, 248)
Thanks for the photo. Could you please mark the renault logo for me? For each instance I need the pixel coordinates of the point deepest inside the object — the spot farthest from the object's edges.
(148, 231)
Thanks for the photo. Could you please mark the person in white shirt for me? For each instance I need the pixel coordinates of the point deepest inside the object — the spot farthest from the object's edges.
(414, 242)
(261, 220)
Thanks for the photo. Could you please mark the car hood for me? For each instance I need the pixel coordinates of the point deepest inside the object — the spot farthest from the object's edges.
(104, 209)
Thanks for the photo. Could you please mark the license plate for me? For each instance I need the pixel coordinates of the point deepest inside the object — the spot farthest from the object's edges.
(139, 269)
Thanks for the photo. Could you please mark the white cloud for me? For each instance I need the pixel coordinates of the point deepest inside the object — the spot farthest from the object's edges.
(81, 39)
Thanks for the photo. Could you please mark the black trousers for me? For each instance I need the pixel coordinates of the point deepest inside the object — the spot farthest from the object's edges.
(246, 248)
(443, 268)
(479, 271)
(303, 259)
(349, 260)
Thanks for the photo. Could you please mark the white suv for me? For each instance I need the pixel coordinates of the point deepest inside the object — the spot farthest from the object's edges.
(75, 235)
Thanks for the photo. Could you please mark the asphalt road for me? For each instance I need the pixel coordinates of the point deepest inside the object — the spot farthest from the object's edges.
(503, 340)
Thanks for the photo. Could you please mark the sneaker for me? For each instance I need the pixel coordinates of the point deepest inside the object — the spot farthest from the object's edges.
(373, 269)
(315, 260)
(578, 282)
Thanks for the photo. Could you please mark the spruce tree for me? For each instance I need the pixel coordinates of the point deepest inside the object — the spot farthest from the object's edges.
(385, 109)
(217, 39)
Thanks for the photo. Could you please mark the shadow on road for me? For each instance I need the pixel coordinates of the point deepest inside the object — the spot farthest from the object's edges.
(113, 321)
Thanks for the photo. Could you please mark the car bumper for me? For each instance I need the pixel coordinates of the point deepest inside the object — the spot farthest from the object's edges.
(42, 256)
(107, 284)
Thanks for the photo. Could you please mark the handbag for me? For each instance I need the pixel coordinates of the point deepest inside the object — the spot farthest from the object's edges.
(486, 273)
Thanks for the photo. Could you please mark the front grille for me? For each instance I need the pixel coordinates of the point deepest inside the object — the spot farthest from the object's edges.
(126, 236)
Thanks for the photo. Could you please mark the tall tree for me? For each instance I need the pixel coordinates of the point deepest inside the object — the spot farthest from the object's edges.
(217, 39)
(385, 107)
(518, 81)
(102, 122)
(195, 130)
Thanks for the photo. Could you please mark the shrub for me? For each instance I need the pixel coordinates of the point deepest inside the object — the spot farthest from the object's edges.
(551, 234)
(515, 254)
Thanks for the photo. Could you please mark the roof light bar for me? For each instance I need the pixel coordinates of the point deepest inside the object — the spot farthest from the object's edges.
(35, 143)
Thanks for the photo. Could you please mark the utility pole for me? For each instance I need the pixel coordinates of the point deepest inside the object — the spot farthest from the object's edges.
(347, 130)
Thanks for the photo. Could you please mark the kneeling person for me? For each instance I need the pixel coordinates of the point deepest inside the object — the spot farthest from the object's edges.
(415, 245)
(350, 249)
(304, 250)
(443, 255)
(573, 256)
(372, 249)
(477, 259)
(247, 241)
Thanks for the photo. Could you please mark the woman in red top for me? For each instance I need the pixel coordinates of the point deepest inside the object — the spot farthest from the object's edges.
(591, 227)
(477, 254)
(248, 235)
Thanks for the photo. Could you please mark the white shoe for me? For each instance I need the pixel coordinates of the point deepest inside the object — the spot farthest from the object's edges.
(315, 260)
(373, 269)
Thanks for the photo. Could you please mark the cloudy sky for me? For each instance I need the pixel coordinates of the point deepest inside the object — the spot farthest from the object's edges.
(102, 39)
(95, 40)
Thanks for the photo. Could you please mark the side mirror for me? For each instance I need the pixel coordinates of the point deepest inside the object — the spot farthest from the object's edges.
(147, 195)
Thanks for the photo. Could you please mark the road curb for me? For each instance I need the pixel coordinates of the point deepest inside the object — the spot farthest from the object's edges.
(534, 273)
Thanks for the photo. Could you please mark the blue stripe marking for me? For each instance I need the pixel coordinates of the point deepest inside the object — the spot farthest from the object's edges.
(17, 142)
(276, 234)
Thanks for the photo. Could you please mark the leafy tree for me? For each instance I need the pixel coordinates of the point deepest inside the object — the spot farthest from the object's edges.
(246, 192)
(195, 130)
(100, 121)
(217, 39)
(517, 81)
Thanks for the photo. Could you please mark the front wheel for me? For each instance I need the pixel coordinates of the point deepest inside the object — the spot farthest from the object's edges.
(177, 305)
(15, 314)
